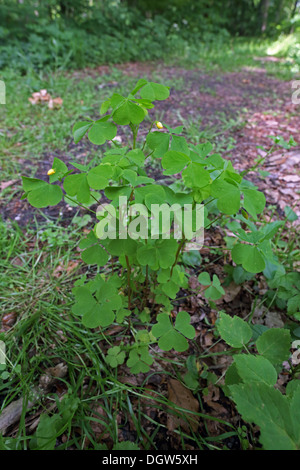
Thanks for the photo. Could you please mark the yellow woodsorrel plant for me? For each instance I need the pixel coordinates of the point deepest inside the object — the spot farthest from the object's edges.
(145, 268)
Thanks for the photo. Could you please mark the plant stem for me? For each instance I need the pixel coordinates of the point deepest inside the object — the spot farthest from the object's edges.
(128, 282)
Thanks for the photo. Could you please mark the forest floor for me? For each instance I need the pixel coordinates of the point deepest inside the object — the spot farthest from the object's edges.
(237, 112)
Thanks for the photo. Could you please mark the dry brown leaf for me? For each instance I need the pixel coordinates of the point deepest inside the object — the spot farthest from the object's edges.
(291, 178)
(60, 269)
(182, 397)
(6, 184)
(212, 397)
(231, 292)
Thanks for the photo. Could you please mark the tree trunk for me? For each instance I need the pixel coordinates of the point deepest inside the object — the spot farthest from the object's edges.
(265, 11)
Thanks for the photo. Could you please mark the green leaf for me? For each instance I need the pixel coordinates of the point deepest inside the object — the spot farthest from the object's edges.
(126, 445)
(194, 176)
(233, 330)
(95, 255)
(204, 149)
(204, 278)
(84, 301)
(293, 304)
(254, 201)
(105, 106)
(30, 184)
(97, 311)
(290, 214)
(214, 293)
(141, 82)
(98, 177)
(120, 247)
(45, 195)
(255, 369)
(182, 324)
(263, 405)
(136, 156)
(128, 112)
(159, 142)
(179, 144)
(101, 132)
(139, 360)
(174, 162)
(46, 433)
(227, 195)
(60, 170)
(100, 315)
(249, 257)
(274, 344)
(80, 129)
(154, 91)
(77, 185)
(171, 337)
(115, 356)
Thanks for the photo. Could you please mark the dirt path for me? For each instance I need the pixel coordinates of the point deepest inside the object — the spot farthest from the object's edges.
(235, 111)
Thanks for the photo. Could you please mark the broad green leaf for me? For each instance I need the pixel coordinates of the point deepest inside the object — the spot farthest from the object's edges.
(179, 144)
(295, 414)
(147, 255)
(170, 289)
(45, 195)
(118, 247)
(30, 184)
(227, 195)
(159, 142)
(194, 176)
(77, 185)
(141, 82)
(99, 176)
(274, 344)
(204, 149)
(255, 369)
(174, 162)
(95, 255)
(266, 407)
(89, 240)
(60, 170)
(166, 252)
(136, 156)
(99, 315)
(290, 214)
(249, 257)
(234, 330)
(168, 337)
(80, 129)
(204, 278)
(101, 132)
(139, 360)
(254, 201)
(47, 431)
(84, 301)
(105, 106)
(171, 337)
(214, 293)
(232, 376)
(128, 112)
(294, 304)
(154, 91)
(182, 324)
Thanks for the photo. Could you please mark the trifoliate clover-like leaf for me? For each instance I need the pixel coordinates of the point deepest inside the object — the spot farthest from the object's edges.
(139, 360)
(249, 257)
(173, 337)
(115, 356)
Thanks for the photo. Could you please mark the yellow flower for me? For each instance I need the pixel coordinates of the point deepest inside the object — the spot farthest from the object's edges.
(159, 125)
(51, 172)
